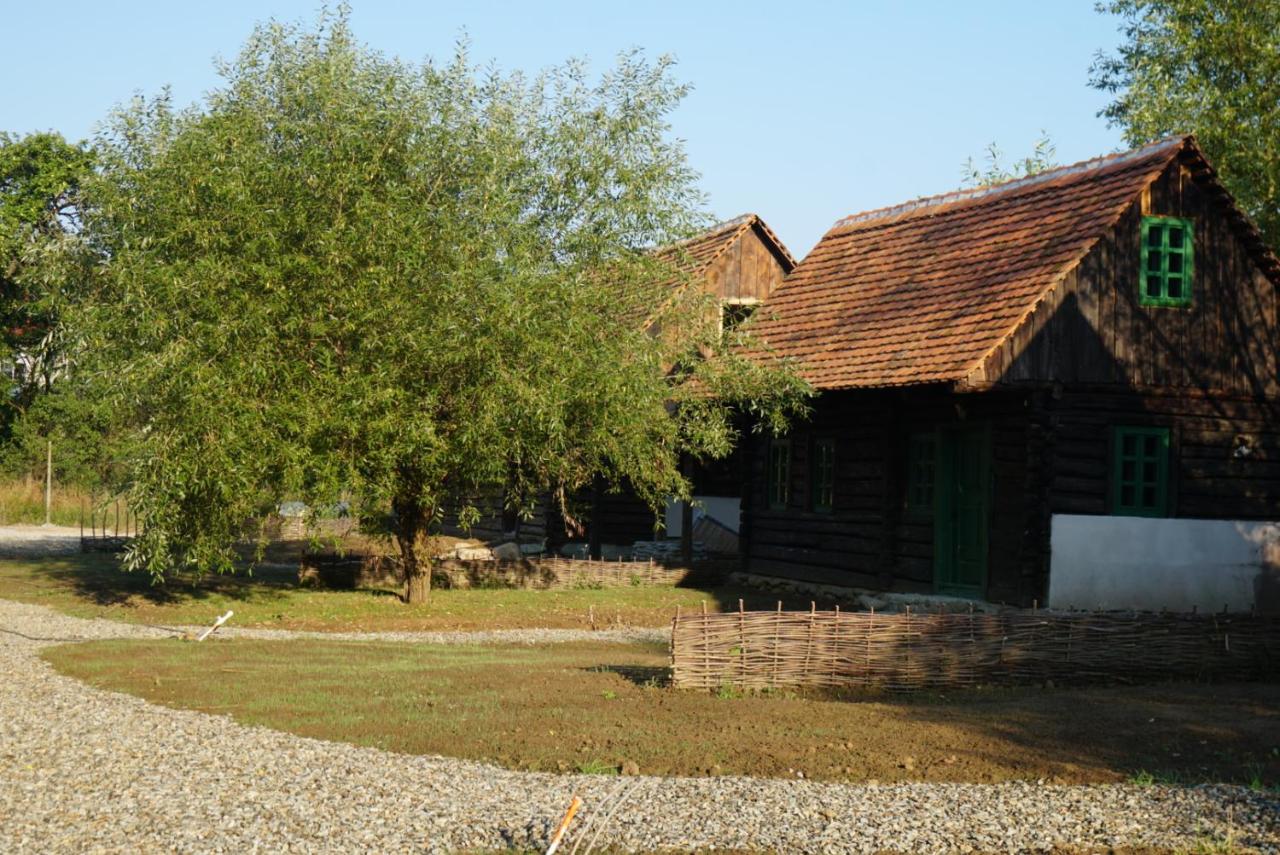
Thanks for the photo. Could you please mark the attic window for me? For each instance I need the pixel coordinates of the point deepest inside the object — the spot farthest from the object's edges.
(734, 313)
(1166, 261)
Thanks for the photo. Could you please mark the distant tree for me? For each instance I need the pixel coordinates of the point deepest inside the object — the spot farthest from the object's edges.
(346, 276)
(1208, 67)
(995, 171)
(40, 178)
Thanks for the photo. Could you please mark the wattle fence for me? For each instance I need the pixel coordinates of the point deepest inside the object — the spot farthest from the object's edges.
(913, 651)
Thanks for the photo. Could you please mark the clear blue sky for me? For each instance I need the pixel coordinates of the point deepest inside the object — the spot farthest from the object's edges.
(802, 111)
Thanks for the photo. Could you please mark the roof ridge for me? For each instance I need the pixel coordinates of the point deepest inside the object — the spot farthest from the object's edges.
(715, 228)
(1013, 184)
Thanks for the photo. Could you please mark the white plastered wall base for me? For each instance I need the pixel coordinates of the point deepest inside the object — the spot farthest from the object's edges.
(1151, 564)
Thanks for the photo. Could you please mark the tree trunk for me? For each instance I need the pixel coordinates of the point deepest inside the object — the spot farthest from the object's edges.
(417, 572)
(418, 586)
(410, 524)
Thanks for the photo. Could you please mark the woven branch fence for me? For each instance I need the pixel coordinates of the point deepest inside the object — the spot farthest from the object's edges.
(912, 651)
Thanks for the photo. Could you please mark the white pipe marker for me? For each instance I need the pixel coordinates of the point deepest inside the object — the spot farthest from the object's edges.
(217, 623)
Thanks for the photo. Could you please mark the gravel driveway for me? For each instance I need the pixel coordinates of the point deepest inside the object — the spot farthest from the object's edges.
(87, 770)
(25, 541)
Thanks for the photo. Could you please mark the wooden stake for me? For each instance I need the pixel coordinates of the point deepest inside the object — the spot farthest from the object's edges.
(48, 485)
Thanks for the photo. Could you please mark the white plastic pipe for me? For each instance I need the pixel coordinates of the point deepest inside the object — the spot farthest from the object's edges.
(217, 623)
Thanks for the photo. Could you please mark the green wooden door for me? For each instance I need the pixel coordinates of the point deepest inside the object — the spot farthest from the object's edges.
(961, 518)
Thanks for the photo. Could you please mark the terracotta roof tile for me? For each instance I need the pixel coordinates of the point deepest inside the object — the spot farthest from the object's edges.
(922, 292)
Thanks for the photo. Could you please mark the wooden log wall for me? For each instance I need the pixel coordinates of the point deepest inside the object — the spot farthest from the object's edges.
(1225, 452)
(493, 525)
(870, 539)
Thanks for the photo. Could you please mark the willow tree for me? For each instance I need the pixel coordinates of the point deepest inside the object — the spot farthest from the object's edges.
(1207, 67)
(347, 276)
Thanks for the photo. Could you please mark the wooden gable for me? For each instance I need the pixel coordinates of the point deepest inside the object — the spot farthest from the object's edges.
(750, 268)
(1094, 329)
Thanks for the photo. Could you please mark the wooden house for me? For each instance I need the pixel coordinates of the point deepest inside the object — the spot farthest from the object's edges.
(1060, 389)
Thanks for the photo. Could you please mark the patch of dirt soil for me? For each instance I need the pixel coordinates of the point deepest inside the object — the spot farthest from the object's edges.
(601, 707)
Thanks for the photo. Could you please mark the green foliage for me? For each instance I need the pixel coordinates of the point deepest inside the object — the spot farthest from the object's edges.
(1043, 156)
(1206, 67)
(346, 276)
(40, 177)
(86, 454)
(729, 692)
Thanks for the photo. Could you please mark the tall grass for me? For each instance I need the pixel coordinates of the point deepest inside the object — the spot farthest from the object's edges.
(22, 501)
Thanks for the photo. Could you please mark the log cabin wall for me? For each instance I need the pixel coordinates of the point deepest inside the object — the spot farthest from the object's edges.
(1086, 357)
(871, 537)
(1224, 452)
(1207, 372)
(619, 517)
(497, 524)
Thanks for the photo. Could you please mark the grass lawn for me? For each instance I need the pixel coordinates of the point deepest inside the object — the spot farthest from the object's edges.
(94, 586)
(593, 706)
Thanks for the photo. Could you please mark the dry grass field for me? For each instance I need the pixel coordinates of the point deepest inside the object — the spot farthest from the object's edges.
(92, 586)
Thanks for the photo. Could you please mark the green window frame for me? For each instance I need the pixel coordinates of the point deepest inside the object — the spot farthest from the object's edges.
(1140, 471)
(779, 480)
(1168, 256)
(822, 474)
(922, 467)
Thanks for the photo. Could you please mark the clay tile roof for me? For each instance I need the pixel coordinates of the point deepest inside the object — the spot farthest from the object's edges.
(922, 292)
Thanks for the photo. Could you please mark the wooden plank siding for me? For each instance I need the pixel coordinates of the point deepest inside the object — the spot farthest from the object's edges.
(750, 269)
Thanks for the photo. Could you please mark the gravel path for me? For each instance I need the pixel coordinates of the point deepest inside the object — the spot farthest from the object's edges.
(21, 541)
(87, 770)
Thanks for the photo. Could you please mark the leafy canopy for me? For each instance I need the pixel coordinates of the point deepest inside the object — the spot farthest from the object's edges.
(40, 177)
(350, 277)
(1208, 67)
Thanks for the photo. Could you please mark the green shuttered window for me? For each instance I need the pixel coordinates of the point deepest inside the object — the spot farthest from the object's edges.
(1140, 471)
(779, 480)
(1167, 258)
(822, 474)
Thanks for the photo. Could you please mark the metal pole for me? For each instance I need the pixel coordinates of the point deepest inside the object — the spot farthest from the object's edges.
(48, 485)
